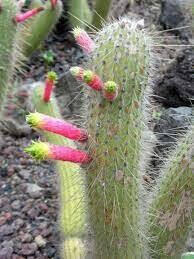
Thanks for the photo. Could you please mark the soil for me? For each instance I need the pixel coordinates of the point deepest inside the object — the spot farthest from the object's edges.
(28, 189)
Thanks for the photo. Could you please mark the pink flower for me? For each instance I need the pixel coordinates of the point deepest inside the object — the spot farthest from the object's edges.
(53, 3)
(110, 90)
(84, 40)
(24, 16)
(57, 126)
(77, 72)
(49, 85)
(92, 80)
(42, 151)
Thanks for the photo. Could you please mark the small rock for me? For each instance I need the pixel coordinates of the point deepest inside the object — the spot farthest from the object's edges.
(6, 230)
(46, 232)
(7, 244)
(34, 190)
(6, 253)
(23, 173)
(26, 238)
(18, 223)
(16, 205)
(28, 249)
(40, 241)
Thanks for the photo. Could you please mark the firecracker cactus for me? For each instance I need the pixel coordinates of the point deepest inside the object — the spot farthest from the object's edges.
(10, 55)
(101, 12)
(122, 56)
(73, 219)
(83, 40)
(170, 211)
(80, 14)
(38, 28)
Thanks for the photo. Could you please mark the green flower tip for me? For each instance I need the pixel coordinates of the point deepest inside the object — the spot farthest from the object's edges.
(74, 71)
(77, 31)
(38, 150)
(110, 87)
(52, 76)
(33, 119)
(87, 76)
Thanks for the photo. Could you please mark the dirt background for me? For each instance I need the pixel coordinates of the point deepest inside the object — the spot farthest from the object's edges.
(28, 189)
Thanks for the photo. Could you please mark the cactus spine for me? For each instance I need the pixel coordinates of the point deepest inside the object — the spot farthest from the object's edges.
(73, 205)
(170, 212)
(39, 27)
(122, 54)
(8, 10)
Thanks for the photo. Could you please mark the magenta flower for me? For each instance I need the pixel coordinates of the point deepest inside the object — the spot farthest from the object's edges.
(110, 90)
(42, 151)
(58, 126)
(84, 40)
(49, 85)
(24, 16)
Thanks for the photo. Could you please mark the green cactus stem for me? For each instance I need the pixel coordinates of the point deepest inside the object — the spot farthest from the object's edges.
(101, 12)
(40, 26)
(80, 13)
(8, 31)
(170, 211)
(122, 55)
(73, 219)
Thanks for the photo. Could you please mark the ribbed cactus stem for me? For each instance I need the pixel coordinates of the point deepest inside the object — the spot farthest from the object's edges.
(8, 30)
(39, 28)
(73, 220)
(122, 58)
(101, 12)
(170, 212)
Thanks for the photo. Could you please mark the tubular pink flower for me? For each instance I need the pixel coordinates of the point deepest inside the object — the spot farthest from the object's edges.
(53, 3)
(84, 40)
(24, 16)
(92, 80)
(110, 90)
(49, 85)
(57, 126)
(42, 151)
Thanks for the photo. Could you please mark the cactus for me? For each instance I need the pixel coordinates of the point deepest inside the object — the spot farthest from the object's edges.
(170, 210)
(188, 255)
(38, 28)
(10, 55)
(122, 54)
(8, 10)
(101, 12)
(80, 13)
(73, 220)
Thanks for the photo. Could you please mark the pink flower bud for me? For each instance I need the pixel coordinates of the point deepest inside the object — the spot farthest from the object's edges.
(110, 90)
(42, 151)
(49, 85)
(57, 126)
(24, 16)
(84, 40)
(92, 80)
(53, 3)
(77, 72)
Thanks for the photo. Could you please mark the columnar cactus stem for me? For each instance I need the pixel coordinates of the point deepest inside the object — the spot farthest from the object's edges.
(122, 54)
(8, 30)
(101, 12)
(38, 29)
(170, 212)
(73, 220)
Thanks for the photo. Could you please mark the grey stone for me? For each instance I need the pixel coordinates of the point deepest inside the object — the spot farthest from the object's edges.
(33, 190)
